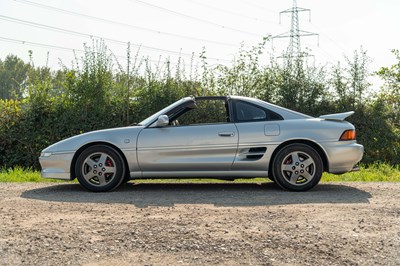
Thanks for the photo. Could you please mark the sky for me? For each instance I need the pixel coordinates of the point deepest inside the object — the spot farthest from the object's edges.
(56, 30)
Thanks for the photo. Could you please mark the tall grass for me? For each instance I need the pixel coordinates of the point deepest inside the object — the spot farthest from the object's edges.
(378, 172)
(19, 174)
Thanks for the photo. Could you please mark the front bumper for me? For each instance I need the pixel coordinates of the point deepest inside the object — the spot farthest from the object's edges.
(343, 156)
(57, 165)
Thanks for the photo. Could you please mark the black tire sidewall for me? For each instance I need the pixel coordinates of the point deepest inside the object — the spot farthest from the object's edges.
(120, 169)
(281, 180)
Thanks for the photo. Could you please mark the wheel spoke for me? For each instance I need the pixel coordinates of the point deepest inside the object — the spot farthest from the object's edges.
(295, 158)
(90, 162)
(88, 176)
(307, 176)
(102, 159)
(308, 162)
(102, 180)
(293, 179)
(287, 167)
(109, 170)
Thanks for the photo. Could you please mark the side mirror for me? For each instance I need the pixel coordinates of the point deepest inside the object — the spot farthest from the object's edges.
(162, 121)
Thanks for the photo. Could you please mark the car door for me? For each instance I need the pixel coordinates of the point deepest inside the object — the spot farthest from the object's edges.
(197, 140)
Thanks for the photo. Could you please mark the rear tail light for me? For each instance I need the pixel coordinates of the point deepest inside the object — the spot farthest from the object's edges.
(348, 135)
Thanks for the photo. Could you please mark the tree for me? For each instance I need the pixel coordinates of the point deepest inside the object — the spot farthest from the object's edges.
(391, 89)
(358, 76)
(13, 74)
(302, 87)
(389, 96)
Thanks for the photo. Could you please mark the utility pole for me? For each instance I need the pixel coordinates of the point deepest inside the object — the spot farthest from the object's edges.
(294, 48)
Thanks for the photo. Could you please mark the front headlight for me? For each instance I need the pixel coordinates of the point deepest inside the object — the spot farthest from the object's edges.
(45, 154)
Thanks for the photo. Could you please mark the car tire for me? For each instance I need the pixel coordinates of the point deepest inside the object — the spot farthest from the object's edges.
(297, 167)
(100, 168)
(126, 179)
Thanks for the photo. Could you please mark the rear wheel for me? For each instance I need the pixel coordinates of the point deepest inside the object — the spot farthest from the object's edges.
(100, 168)
(297, 167)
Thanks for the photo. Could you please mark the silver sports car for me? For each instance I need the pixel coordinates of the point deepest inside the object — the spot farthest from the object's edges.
(222, 137)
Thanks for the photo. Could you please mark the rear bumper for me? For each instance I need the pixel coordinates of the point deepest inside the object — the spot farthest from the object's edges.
(343, 156)
(57, 165)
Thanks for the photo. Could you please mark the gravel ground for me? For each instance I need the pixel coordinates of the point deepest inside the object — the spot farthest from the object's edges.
(200, 224)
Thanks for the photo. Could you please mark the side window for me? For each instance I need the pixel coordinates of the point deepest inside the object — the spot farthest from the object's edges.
(245, 112)
(206, 112)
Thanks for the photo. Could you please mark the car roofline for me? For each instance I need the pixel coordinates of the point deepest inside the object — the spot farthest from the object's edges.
(212, 97)
(276, 108)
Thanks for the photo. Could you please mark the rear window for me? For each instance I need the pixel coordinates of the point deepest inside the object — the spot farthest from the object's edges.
(246, 112)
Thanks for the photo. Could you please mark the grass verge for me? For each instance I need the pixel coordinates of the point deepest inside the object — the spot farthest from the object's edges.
(19, 174)
(377, 172)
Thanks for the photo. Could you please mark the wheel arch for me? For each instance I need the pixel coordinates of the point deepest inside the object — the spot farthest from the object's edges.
(84, 147)
(310, 143)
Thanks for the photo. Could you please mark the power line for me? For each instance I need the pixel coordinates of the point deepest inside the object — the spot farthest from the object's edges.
(120, 23)
(5, 39)
(76, 33)
(329, 38)
(194, 18)
(39, 44)
(231, 12)
(258, 6)
(327, 54)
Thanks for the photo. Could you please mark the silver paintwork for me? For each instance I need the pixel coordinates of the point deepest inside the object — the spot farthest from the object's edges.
(339, 117)
(229, 149)
(162, 121)
(187, 148)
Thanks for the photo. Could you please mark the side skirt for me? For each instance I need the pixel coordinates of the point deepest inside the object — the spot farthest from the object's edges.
(200, 174)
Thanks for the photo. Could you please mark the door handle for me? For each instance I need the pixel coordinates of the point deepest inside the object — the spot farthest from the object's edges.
(226, 134)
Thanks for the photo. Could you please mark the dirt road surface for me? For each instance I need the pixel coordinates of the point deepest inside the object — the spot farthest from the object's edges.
(200, 224)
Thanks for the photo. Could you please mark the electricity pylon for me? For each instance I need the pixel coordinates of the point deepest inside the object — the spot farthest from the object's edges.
(294, 48)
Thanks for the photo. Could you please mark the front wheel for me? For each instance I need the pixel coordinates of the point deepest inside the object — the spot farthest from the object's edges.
(297, 167)
(100, 168)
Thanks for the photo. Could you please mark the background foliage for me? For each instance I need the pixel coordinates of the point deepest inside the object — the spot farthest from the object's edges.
(39, 106)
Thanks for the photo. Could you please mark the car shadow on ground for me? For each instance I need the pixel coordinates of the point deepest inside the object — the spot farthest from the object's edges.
(236, 194)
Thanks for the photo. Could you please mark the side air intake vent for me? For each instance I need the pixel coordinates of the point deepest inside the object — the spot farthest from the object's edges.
(256, 153)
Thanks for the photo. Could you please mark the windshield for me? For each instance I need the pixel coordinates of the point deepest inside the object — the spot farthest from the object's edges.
(163, 111)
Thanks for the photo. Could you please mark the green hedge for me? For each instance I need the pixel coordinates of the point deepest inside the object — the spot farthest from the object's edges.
(53, 105)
